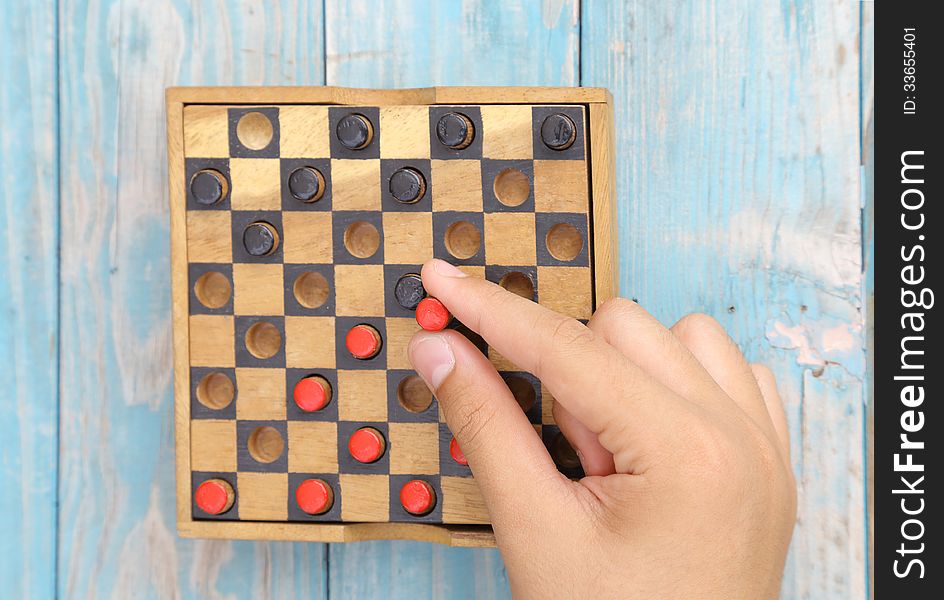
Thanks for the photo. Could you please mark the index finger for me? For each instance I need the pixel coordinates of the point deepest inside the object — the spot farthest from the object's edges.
(576, 365)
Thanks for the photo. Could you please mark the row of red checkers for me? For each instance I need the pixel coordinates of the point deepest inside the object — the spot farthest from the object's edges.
(313, 496)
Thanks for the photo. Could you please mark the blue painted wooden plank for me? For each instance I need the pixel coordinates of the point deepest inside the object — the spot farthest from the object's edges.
(738, 176)
(416, 44)
(117, 496)
(29, 270)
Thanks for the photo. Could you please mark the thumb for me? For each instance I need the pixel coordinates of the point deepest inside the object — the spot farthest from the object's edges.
(508, 459)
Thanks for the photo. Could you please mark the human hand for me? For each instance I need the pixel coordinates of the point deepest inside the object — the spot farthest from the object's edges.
(689, 491)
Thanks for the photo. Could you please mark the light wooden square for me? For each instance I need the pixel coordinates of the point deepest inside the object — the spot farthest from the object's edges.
(414, 448)
(462, 501)
(303, 132)
(359, 290)
(567, 290)
(473, 270)
(408, 237)
(509, 239)
(547, 406)
(405, 132)
(457, 185)
(561, 186)
(206, 131)
(355, 184)
(262, 496)
(212, 445)
(258, 289)
(260, 394)
(312, 447)
(507, 131)
(399, 332)
(309, 342)
(365, 498)
(307, 237)
(257, 184)
(362, 395)
(209, 236)
(212, 340)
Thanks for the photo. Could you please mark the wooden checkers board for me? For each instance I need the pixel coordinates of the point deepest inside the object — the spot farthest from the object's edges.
(300, 217)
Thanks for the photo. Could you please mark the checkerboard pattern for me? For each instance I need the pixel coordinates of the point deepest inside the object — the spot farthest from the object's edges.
(300, 338)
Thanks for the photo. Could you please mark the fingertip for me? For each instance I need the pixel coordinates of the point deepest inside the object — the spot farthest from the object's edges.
(432, 357)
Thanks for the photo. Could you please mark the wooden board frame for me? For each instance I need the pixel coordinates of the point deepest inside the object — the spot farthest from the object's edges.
(603, 246)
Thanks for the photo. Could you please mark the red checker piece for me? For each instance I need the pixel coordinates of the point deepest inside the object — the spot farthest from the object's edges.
(432, 315)
(417, 497)
(366, 445)
(312, 393)
(363, 342)
(456, 452)
(314, 496)
(215, 496)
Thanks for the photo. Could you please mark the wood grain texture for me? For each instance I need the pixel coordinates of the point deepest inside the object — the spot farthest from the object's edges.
(449, 43)
(117, 511)
(739, 184)
(29, 270)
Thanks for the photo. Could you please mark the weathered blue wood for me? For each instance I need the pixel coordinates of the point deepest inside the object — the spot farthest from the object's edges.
(416, 44)
(29, 271)
(739, 185)
(388, 43)
(117, 519)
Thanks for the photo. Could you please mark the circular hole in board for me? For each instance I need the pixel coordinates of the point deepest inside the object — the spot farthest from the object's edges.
(522, 390)
(311, 289)
(216, 390)
(518, 283)
(463, 240)
(213, 289)
(512, 187)
(563, 453)
(263, 340)
(413, 394)
(361, 239)
(265, 444)
(254, 130)
(564, 242)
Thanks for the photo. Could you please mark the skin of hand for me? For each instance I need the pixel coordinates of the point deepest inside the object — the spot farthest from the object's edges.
(688, 490)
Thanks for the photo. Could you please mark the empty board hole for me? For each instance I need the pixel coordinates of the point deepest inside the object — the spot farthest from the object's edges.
(265, 444)
(517, 282)
(213, 289)
(563, 453)
(512, 187)
(263, 340)
(564, 242)
(361, 239)
(463, 240)
(522, 390)
(311, 289)
(215, 390)
(413, 394)
(254, 130)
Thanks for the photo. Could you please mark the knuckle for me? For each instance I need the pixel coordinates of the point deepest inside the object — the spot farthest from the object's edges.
(468, 422)
(697, 326)
(570, 333)
(763, 373)
(614, 308)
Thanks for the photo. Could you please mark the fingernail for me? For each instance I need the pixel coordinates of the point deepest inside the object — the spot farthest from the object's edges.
(432, 358)
(447, 270)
